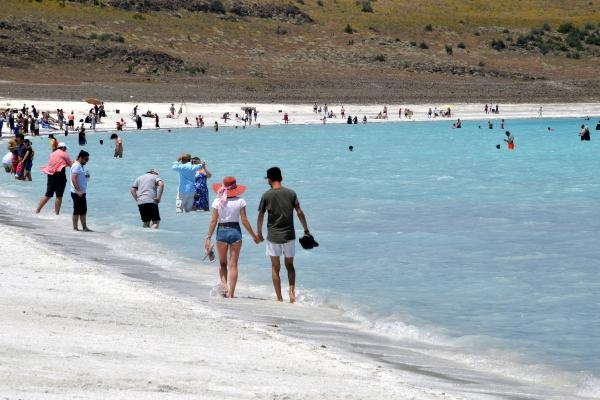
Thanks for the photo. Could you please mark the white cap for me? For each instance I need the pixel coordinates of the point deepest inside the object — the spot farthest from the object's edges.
(62, 144)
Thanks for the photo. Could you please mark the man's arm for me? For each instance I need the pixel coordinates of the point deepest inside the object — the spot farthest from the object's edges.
(259, 224)
(75, 184)
(302, 218)
(134, 193)
(159, 191)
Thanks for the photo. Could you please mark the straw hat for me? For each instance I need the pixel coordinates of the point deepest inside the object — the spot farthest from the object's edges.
(229, 184)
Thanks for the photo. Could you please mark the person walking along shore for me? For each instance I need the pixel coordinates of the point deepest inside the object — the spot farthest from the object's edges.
(280, 202)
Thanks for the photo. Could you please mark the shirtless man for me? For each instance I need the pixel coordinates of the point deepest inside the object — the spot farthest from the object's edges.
(118, 145)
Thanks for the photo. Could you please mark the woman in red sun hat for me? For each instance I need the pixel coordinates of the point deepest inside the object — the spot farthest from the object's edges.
(228, 210)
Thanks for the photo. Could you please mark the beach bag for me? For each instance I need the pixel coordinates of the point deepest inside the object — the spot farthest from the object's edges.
(19, 170)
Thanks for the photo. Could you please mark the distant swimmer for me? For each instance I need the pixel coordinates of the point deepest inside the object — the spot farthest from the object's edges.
(598, 126)
(490, 124)
(498, 146)
(550, 129)
(351, 148)
(585, 133)
(510, 140)
(457, 124)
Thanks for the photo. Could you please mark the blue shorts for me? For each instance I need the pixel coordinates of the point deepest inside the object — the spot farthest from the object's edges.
(229, 234)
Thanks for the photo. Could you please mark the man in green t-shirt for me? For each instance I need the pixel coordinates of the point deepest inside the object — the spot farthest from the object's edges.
(280, 202)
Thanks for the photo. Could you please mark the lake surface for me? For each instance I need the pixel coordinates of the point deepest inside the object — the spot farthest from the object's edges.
(428, 235)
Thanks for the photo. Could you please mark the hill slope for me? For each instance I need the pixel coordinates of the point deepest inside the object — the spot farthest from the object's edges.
(302, 51)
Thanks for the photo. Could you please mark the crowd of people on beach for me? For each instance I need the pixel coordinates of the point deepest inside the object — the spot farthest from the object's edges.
(228, 208)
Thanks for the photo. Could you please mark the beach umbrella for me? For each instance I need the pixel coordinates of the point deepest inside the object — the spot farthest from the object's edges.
(92, 100)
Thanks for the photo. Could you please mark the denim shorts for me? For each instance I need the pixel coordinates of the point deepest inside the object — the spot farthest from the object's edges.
(229, 234)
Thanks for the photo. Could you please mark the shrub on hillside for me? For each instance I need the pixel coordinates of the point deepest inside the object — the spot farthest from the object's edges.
(366, 6)
(348, 29)
(565, 28)
(498, 45)
(217, 7)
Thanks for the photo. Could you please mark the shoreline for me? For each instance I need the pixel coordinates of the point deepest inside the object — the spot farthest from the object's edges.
(79, 326)
(299, 114)
(77, 312)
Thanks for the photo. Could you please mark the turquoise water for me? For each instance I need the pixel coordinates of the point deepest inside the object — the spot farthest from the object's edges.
(427, 233)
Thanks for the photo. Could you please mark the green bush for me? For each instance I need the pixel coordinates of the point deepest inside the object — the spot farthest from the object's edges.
(565, 28)
(348, 29)
(366, 6)
(380, 58)
(461, 45)
(216, 7)
(429, 28)
(423, 45)
(448, 49)
(593, 39)
(498, 45)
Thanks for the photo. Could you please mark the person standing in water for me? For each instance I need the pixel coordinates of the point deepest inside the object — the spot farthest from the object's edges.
(79, 182)
(510, 140)
(147, 191)
(57, 178)
(280, 202)
(228, 210)
(118, 145)
(201, 196)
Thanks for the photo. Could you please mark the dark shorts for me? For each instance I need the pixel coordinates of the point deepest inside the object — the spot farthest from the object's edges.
(149, 212)
(79, 204)
(56, 184)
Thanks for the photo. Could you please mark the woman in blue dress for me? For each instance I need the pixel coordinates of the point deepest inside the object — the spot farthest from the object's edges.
(201, 196)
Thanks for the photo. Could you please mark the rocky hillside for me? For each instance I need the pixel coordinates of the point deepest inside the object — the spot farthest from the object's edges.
(336, 50)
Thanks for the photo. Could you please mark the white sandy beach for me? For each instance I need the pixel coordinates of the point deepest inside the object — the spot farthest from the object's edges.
(74, 329)
(272, 114)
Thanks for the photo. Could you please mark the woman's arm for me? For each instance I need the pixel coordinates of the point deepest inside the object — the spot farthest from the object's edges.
(211, 228)
(206, 171)
(247, 224)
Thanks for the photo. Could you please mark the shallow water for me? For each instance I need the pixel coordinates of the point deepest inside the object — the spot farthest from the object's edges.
(428, 235)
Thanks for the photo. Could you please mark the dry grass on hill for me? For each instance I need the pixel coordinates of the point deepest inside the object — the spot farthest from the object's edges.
(401, 50)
